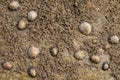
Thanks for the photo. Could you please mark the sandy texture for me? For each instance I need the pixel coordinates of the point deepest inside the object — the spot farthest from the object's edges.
(57, 25)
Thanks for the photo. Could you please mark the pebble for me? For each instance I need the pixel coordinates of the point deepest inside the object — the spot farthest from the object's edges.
(107, 46)
(105, 66)
(32, 15)
(95, 59)
(14, 5)
(85, 28)
(54, 51)
(32, 71)
(33, 52)
(79, 55)
(94, 41)
(7, 65)
(22, 24)
(114, 39)
(100, 51)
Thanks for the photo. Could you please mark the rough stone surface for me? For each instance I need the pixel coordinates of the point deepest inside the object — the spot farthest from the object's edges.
(57, 24)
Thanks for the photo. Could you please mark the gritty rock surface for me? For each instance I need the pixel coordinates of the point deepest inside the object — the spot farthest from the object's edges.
(85, 28)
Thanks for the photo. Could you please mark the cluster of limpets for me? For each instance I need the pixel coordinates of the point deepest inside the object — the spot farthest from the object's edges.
(31, 16)
(33, 51)
(85, 28)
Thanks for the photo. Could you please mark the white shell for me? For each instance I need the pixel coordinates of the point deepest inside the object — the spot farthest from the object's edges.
(114, 39)
(79, 55)
(14, 5)
(85, 28)
(33, 52)
(32, 15)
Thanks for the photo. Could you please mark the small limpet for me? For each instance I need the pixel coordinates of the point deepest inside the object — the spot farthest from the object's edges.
(7, 65)
(85, 28)
(14, 5)
(32, 71)
(33, 52)
(95, 59)
(22, 24)
(114, 39)
(54, 51)
(79, 55)
(32, 15)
